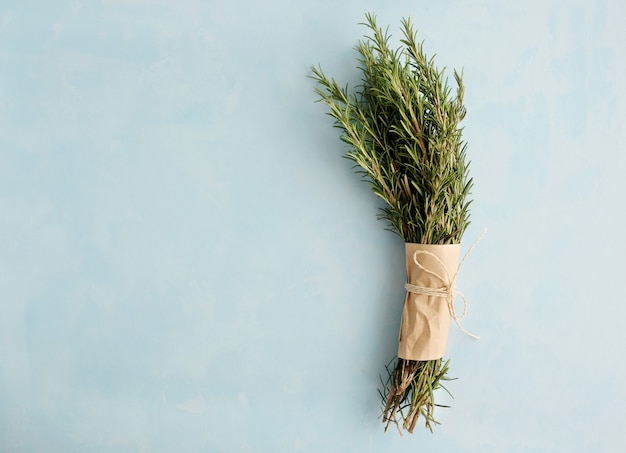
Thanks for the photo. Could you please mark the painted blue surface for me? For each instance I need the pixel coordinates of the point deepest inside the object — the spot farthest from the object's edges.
(187, 263)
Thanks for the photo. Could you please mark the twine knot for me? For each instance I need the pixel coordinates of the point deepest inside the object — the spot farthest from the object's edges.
(447, 289)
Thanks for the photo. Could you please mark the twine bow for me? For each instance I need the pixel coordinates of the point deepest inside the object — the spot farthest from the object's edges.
(447, 291)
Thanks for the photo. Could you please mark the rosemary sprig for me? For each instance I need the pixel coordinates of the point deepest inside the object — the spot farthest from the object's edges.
(401, 125)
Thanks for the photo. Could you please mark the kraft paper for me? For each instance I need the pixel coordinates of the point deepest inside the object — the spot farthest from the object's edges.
(426, 318)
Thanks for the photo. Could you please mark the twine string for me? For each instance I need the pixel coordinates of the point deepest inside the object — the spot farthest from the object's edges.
(447, 291)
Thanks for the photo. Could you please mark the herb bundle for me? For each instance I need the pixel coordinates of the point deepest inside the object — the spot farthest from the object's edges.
(402, 129)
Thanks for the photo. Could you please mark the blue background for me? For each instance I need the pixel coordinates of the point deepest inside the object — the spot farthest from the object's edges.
(187, 263)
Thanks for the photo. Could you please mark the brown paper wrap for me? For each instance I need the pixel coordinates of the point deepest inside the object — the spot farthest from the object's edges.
(426, 318)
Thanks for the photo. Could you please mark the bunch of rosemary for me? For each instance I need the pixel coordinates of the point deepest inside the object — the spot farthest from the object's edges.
(401, 126)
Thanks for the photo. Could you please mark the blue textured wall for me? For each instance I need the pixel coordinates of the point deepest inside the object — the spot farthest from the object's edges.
(187, 264)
